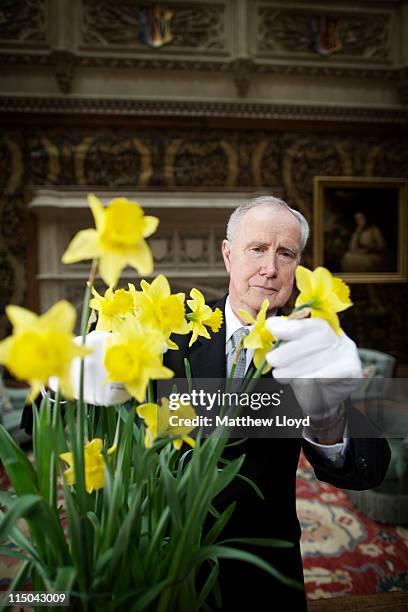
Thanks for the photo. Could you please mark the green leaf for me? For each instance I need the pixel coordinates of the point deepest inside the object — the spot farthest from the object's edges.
(225, 552)
(220, 523)
(18, 467)
(19, 581)
(208, 585)
(119, 559)
(271, 542)
(45, 452)
(12, 552)
(65, 578)
(18, 538)
(251, 484)
(7, 499)
(20, 509)
(149, 596)
(101, 562)
(172, 496)
(227, 474)
(75, 535)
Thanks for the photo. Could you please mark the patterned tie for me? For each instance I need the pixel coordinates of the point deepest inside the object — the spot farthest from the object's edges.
(232, 346)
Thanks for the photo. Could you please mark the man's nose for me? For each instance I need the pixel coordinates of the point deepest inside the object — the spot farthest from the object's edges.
(269, 266)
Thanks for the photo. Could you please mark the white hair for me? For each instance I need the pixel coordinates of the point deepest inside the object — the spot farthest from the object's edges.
(269, 201)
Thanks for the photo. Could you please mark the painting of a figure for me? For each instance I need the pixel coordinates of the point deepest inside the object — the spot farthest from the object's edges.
(359, 226)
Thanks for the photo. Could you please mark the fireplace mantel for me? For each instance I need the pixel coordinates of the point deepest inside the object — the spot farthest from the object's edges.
(186, 246)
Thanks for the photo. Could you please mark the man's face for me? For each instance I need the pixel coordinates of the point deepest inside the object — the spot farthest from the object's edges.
(262, 257)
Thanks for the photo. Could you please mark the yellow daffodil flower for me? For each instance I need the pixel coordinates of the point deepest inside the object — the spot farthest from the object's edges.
(259, 338)
(113, 307)
(42, 346)
(159, 309)
(93, 463)
(156, 418)
(325, 294)
(117, 241)
(202, 315)
(214, 322)
(133, 356)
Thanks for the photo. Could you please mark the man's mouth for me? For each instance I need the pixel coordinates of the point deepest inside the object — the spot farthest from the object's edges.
(265, 289)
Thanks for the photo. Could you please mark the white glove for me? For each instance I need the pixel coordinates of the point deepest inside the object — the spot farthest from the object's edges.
(96, 391)
(322, 368)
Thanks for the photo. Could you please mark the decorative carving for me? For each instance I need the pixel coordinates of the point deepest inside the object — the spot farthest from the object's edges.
(217, 165)
(63, 63)
(23, 21)
(105, 161)
(141, 108)
(242, 68)
(303, 158)
(43, 161)
(390, 160)
(364, 36)
(199, 27)
(194, 250)
(11, 164)
(117, 24)
(162, 246)
(190, 63)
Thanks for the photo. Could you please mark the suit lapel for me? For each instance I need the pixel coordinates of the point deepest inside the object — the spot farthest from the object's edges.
(207, 356)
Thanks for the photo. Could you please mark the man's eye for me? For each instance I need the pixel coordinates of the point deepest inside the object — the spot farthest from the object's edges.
(287, 254)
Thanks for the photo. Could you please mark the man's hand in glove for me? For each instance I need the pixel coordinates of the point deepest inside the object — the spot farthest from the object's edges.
(96, 390)
(323, 369)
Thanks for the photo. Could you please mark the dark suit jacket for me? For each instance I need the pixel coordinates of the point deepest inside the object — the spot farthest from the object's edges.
(272, 464)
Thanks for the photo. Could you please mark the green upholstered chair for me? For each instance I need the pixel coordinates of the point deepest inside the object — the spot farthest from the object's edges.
(377, 363)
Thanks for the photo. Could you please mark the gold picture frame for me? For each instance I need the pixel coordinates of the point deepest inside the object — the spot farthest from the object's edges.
(360, 228)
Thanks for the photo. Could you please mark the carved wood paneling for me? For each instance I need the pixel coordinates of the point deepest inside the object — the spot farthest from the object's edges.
(365, 36)
(23, 22)
(116, 25)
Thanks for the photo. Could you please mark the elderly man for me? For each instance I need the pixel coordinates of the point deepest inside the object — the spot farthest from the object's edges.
(264, 242)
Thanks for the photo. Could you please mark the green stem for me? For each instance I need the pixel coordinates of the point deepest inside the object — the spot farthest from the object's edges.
(249, 386)
(187, 370)
(150, 393)
(79, 443)
(54, 455)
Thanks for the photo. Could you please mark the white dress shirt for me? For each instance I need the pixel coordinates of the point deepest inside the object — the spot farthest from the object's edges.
(333, 452)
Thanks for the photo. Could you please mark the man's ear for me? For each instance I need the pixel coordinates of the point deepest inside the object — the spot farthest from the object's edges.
(226, 250)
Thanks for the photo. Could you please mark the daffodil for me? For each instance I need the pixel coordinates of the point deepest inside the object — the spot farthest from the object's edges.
(133, 356)
(160, 309)
(113, 307)
(325, 294)
(94, 465)
(201, 315)
(157, 419)
(117, 241)
(214, 322)
(259, 338)
(42, 346)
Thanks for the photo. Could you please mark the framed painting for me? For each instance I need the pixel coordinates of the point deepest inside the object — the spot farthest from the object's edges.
(360, 228)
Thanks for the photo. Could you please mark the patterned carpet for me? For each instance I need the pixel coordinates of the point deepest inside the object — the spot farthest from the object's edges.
(344, 553)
